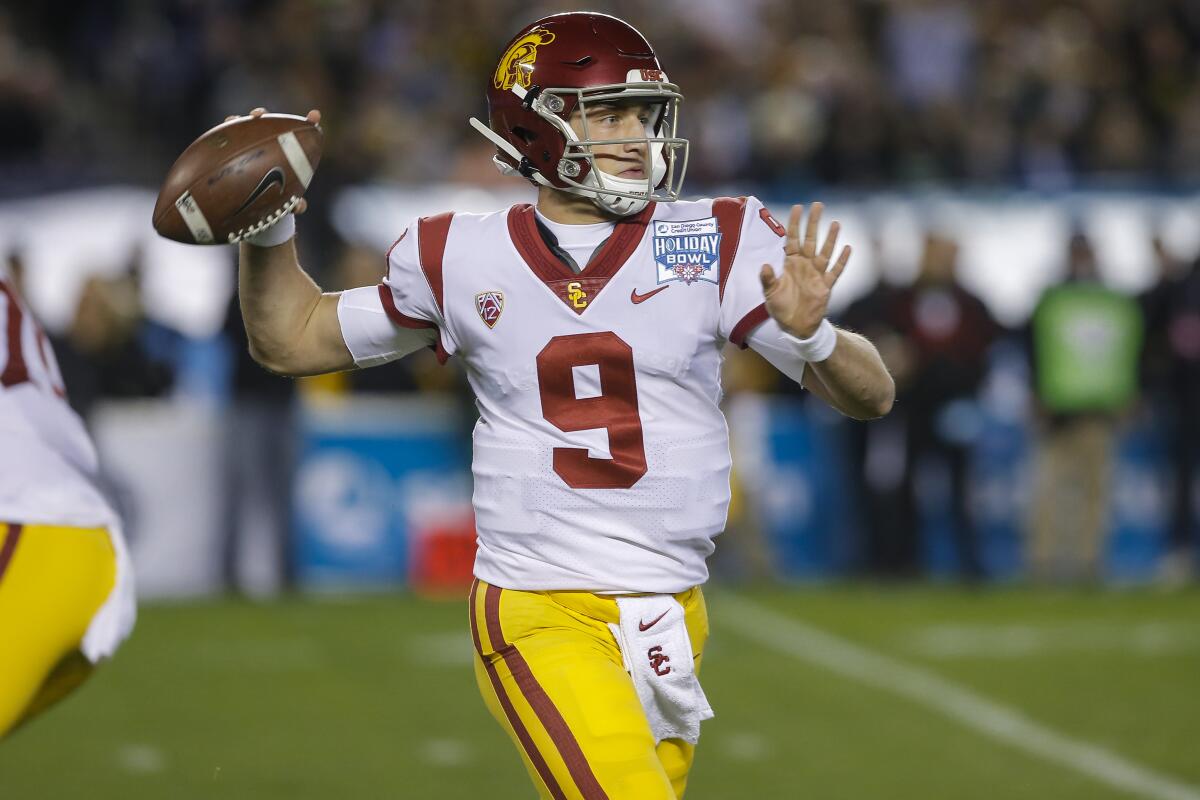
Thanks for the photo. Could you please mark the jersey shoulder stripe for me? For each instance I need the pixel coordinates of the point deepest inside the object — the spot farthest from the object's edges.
(395, 315)
(432, 233)
(729, 212)
(389, 301)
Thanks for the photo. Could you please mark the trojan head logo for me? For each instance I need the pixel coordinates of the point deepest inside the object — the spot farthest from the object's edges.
(523, 51)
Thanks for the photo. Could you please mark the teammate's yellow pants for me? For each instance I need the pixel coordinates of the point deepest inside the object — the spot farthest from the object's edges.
(551, 673)
(52, 582)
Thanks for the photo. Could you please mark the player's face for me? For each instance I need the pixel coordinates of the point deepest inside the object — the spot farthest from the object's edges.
(618, 121)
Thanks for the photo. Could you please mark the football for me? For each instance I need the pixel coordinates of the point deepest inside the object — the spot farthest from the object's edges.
(238, 179)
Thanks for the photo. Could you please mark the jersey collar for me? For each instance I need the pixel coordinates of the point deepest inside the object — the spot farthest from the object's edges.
(608, 259)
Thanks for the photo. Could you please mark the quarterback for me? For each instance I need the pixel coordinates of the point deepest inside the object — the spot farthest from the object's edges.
(590, 326)
(66, 590)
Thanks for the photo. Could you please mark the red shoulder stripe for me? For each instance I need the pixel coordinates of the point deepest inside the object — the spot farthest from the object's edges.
(394, 314)
(729, 212)
(432, 233)
(405, 321)
(746, 325)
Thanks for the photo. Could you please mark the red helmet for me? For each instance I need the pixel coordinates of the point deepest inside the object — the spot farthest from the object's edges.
(557, 66)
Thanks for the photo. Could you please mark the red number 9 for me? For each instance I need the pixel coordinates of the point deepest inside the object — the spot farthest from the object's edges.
(615, 409)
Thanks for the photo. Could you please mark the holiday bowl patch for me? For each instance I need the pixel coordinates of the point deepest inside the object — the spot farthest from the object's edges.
(687, 251)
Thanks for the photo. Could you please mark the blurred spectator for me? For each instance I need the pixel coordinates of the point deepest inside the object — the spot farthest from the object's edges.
(934, 336)
(878, 452)
(1085, 342)
(103, 354)
(949, 331)
(257, 468)
(1171, 377)
(930, 50)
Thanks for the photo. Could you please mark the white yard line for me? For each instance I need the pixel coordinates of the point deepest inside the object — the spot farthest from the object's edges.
(804, 642)
(141, 759)
(447, 752)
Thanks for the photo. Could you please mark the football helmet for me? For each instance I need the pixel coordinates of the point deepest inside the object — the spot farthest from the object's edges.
(561, 64)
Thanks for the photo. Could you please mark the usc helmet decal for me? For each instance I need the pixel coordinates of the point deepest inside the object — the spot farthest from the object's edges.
(521, 52)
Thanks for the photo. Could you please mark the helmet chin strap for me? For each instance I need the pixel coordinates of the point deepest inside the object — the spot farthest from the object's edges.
(616, 204)
(504, 167)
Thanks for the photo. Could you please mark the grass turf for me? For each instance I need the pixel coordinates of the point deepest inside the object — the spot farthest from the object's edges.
(373, 697)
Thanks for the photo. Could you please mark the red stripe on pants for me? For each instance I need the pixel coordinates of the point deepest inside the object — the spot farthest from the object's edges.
(9, 547)
(535, 756)
(547, 713)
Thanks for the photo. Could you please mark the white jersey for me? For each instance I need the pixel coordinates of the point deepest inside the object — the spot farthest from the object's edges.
(48, 466)
(601, 457)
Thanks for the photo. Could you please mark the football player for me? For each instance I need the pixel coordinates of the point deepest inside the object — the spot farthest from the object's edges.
(591, 326)
(66, 589)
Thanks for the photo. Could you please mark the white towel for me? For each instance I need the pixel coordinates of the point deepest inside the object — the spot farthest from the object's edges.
(654, 642)
(114, 620)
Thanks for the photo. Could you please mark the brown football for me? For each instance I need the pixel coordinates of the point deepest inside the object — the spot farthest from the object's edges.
(238, 179)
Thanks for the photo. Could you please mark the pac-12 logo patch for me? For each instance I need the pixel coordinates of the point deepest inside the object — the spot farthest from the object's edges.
(489, 305)
(687, 251)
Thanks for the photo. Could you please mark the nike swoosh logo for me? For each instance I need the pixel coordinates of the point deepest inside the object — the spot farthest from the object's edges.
(641, 298)
(643, 626)
(273, 176)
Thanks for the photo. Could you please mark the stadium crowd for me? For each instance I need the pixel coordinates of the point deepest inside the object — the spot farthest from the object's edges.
(863, 92)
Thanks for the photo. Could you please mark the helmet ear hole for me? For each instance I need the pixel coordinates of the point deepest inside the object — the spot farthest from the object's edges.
(526, 135)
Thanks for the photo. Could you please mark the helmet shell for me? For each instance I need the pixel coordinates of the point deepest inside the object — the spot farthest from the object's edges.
(577, 50)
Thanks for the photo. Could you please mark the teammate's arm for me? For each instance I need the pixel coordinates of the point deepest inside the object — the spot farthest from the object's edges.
(844, 368)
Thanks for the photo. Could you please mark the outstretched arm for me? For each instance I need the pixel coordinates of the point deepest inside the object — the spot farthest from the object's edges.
(844, 368)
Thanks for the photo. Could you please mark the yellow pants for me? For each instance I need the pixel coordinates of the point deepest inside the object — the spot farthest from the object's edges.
(551, 674)
(52, 582)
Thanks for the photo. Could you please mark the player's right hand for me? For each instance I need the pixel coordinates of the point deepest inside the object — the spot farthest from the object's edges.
(313, 116)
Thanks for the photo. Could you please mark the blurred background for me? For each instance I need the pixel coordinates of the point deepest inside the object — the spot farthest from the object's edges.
(1018, 178)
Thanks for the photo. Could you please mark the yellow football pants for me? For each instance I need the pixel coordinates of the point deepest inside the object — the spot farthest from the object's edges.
(52, 582)
(551, 674)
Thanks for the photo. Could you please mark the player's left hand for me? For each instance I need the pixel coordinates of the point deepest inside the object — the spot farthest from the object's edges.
(798, 299)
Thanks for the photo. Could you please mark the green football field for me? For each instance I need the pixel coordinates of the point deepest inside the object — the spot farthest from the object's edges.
(834, 692)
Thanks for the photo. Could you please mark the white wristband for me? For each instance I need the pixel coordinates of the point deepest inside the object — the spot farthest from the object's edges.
(275, 235)
(817, 347)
